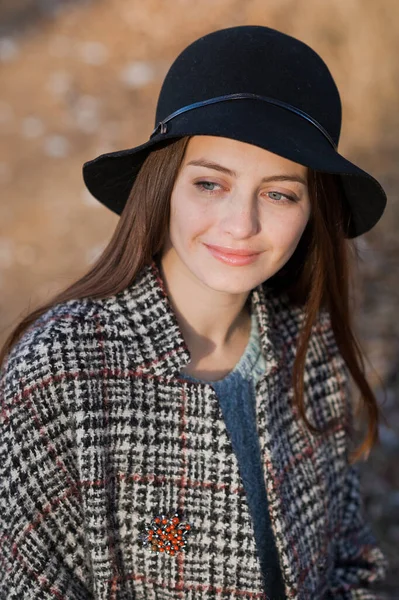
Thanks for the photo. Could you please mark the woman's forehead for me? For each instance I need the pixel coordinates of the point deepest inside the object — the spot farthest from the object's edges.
(236, 156)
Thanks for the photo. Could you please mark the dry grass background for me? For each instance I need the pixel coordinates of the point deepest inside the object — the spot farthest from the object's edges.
(84, 79)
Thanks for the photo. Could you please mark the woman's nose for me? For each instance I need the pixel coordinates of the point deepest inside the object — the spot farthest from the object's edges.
(241, 219)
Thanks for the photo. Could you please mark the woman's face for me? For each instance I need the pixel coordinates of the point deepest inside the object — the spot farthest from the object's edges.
(237, 213)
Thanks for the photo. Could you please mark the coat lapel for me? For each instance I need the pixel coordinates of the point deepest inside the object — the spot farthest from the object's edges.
(273, 414)
(294, 461)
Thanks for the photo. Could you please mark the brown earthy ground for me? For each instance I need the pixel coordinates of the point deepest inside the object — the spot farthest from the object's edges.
(79, 79)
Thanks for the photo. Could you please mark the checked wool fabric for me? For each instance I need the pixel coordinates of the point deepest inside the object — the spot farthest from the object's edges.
(99, 436)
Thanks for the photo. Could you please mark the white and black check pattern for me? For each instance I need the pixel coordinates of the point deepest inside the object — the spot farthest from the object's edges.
(99, 435)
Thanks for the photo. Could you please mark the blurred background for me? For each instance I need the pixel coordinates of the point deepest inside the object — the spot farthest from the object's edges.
(80, 78)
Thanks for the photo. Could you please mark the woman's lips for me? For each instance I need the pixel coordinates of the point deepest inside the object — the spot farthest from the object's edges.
(235, 258)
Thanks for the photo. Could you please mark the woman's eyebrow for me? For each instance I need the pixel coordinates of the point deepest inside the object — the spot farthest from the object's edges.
(212, 165)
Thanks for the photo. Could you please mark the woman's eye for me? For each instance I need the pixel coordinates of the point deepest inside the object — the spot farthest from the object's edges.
(204, 185)
(278, 196)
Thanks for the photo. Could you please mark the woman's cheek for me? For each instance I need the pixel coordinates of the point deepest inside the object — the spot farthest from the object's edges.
(183, 229)
(289, 228)
(192, 223)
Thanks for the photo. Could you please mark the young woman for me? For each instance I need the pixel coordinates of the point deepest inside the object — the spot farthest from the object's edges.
(178, 423)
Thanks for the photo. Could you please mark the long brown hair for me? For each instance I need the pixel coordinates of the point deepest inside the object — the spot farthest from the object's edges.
(317, 275)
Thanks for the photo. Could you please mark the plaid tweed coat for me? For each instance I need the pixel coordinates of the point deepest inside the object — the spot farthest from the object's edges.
(99, 435)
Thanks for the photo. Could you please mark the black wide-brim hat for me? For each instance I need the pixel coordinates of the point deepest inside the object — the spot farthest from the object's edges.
(255, 85)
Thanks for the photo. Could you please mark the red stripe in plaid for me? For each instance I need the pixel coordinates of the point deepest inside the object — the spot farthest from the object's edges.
(148, 478)
(110, 533)
(196, 588)
(182, 485)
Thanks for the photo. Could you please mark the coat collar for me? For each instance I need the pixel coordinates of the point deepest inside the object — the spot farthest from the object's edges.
(144, 310)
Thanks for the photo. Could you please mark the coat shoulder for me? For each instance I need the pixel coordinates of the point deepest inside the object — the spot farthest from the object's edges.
(72, 338)
(39, 361)
(60, 324)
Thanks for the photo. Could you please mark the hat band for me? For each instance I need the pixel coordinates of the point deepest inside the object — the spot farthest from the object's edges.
(162, 127)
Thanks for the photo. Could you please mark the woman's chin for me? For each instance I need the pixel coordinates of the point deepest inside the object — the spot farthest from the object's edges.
(233, 284)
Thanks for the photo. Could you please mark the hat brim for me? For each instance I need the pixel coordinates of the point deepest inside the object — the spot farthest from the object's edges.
(110, 176)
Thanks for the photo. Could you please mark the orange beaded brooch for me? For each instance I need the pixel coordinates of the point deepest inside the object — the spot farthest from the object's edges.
(166, 533)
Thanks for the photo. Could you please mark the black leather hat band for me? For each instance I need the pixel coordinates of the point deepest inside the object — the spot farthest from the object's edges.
(162, 127)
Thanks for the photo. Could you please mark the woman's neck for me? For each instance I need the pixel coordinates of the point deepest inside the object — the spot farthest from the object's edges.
(215, 325)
